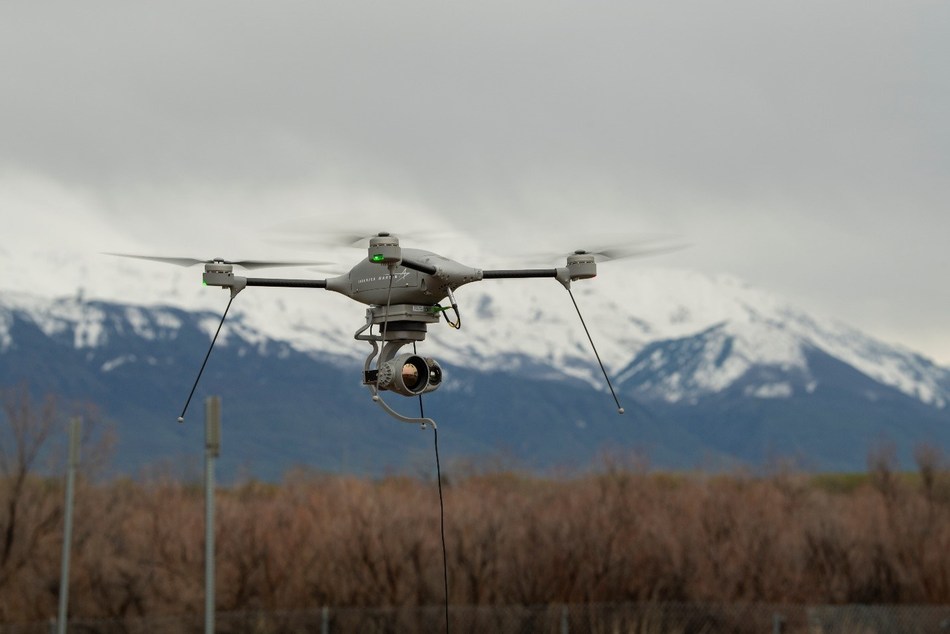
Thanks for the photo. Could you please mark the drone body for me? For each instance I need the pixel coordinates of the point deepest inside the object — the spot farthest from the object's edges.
(415, 277)
(402, 289)
(370, 283)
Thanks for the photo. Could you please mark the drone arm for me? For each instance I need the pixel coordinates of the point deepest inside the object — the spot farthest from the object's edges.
(508, 274)
(285, 283)
(564, 275)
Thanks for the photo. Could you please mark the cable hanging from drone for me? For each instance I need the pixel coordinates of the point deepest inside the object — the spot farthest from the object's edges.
(457, 324)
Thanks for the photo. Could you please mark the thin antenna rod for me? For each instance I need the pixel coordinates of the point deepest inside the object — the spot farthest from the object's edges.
(589, 338)
(181, 419)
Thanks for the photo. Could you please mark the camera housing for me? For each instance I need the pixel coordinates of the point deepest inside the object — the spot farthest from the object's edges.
(409, 375)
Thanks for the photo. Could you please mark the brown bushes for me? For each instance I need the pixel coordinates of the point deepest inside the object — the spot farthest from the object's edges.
(621, 535)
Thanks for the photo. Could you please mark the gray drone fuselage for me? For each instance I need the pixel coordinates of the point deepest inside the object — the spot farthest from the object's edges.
(402, 276)
(369, 282)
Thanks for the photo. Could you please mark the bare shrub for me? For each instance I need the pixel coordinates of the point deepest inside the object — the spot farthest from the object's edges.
(621, 534)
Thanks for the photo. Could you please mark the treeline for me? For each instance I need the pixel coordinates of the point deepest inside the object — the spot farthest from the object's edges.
(623, 534)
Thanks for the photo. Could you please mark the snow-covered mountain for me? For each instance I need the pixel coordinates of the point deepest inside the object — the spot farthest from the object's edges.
(675, 334)
(773, 338)
(673, 340)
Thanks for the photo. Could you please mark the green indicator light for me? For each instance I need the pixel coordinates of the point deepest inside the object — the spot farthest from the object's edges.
(203, 283)
(379, 257)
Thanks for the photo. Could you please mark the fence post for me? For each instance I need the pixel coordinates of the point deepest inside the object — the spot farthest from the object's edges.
(75, 432)
(325, 620)
(565, 625)
(212, 450)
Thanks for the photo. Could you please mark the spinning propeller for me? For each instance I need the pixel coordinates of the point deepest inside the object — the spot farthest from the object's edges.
(626, 249)
(246, 264)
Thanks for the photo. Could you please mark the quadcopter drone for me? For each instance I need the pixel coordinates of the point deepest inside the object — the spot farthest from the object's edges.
(403, 290)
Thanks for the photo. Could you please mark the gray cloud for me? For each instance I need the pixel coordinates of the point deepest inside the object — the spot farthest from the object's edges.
(803, 146)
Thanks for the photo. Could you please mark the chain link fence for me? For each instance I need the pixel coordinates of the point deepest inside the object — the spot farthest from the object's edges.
(624, 618)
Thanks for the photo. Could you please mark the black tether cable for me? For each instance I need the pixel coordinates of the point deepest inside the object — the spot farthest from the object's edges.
(445, 564)
(438, 475)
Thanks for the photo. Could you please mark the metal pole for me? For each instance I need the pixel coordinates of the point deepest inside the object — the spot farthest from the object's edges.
(75, 429)
(212, 449)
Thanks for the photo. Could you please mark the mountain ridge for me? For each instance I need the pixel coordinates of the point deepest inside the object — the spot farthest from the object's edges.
(508, 320)
(702, 363)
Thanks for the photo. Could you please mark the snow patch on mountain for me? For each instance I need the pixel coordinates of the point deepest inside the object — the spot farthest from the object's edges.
(775, 345)
(54, 318)
(152, 324)
(117, 362)
(893, 365)
(6, 323)
(685, 368)
(770, 390)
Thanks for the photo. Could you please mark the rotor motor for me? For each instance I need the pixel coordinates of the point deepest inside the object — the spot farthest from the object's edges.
(581, 265)
(384, 249)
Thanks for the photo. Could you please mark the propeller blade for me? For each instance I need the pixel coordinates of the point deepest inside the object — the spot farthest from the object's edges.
(606, 254)
(332, 271)
(247, 264)
(309, 232)
(156, 258)
(354, 239)
(261, 264)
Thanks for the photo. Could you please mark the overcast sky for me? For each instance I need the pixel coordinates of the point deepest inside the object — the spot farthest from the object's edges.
(803, 146)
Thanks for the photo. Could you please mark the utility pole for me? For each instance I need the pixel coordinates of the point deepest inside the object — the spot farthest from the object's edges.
(212, 450)
(75, 430)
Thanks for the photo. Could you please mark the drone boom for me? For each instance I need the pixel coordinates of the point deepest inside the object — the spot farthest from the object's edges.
(511, 274)
(285, 283)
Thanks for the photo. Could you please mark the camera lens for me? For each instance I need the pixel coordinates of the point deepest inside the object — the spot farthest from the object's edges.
(410, 375)
(435, 373)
